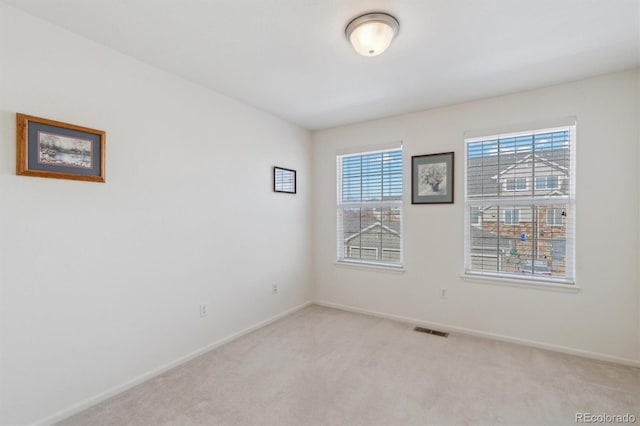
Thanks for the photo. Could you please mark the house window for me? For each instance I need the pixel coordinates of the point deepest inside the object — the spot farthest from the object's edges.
(475, 216)
(369, 207)
(558, 253)
(511, 216)
(525, 232)
(558, 249)
(516, 184)
(554, 217)
(547, 182)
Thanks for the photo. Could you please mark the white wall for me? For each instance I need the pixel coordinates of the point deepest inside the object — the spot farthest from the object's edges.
(101, 283)
(600, 320)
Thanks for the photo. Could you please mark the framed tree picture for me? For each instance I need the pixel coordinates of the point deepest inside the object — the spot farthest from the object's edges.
(52, 149)
(432, 178)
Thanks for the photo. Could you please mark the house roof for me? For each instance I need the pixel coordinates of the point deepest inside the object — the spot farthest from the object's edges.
(530, 158)
(396, 224)
(483, 172)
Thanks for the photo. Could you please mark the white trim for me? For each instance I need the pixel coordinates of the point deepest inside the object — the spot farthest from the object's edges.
(369, 149)
(371, 227)
(370, 266)
(484, 334)
(84, 404)
(524, 282)
(370, 204)
(537, 127)
(570, 219)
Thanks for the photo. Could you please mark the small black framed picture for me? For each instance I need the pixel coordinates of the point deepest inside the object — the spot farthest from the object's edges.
(432, 178)
(284, 180)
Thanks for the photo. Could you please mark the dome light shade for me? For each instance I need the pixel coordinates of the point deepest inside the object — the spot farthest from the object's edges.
(371, 34)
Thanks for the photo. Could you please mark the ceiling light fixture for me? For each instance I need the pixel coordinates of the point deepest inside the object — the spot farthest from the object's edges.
(370, 34)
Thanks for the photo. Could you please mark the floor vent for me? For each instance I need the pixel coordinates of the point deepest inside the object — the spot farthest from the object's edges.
(429, 331)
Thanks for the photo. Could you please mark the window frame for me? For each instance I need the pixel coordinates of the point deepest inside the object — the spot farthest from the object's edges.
(478, 216)
(516, 187)
(512, 211)
(530, 199)
(546, 182)
(342, 249)
(553, 210)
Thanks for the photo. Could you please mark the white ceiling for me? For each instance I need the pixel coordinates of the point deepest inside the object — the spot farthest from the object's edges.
(291, 58)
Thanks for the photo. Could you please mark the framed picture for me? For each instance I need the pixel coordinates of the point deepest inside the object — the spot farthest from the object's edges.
(47, 148)
(432, 178)
(284, 180)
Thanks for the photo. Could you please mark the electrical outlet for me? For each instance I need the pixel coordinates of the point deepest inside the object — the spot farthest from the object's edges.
(203, 311)
(274, 289)
(443, 293)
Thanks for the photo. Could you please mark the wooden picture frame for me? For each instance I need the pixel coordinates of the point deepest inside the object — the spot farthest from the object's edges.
(52, 149)
(432, 178)
(284, 180)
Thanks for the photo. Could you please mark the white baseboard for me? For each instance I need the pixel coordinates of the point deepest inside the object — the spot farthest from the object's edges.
(83, 405)
(479, 333)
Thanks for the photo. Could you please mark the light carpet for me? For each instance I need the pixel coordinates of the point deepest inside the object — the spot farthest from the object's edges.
(322, 366)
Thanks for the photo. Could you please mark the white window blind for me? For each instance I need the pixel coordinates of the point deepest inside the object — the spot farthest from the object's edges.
(520, 205)
(369, 207)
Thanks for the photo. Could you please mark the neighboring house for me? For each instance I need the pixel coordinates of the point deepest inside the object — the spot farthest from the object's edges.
(544, 176)
(375, 242)
(525, 232)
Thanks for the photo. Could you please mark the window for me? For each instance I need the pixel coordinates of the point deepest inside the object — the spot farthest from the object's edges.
(558, 249)
(526, 231)
(547, 182)
(554, 217)
(476, 216)
(511, 216)
(370, 207)
(558, 253)
(516, 184)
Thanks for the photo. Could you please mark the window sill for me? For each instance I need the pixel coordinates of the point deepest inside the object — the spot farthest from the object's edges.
(521, 283)
(370, 266)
